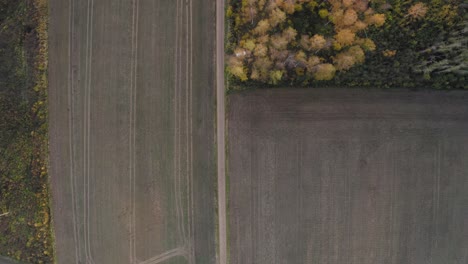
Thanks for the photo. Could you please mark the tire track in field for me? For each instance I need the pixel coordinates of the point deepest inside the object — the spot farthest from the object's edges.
(186, 204)
(182, 17)
(187, 135)
(85, 124)
(87, 110)
(392, 202)
(134, 126)
(183, 197)
(132, 131)
(300, 201)
(70, 127)
(186, 198)
(190, 207)
(176, 123)
(436, 198)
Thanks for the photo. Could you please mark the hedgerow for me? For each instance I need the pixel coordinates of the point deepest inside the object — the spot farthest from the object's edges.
(25, 220)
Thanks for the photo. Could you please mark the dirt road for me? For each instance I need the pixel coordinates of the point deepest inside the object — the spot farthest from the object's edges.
(132, 130)
(332, 176)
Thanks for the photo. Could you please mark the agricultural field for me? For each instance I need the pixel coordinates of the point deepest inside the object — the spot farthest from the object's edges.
(132, 108)
(353, 176)
(126, 115)
(365, 173)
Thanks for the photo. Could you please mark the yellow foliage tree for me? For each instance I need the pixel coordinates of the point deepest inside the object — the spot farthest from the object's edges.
(261, 50)
(312, 62)
(357, 53)
(349, 17)
(276, 17)
(345, 37)
(249, 44)
(262, 27)
(289, 34)
(417, 11)
(367, 44)
(343, 61)
(275, 76)
(317, 42)
(376, 19)
(324, 72)
(239, 72)
(279, 42)
(348, 3)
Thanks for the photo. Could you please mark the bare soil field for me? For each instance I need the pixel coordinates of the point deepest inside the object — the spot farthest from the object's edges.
(334, 176)
(132, 131)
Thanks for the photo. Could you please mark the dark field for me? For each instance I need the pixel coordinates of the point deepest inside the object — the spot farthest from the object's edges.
(132, 108)
(348, 176)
